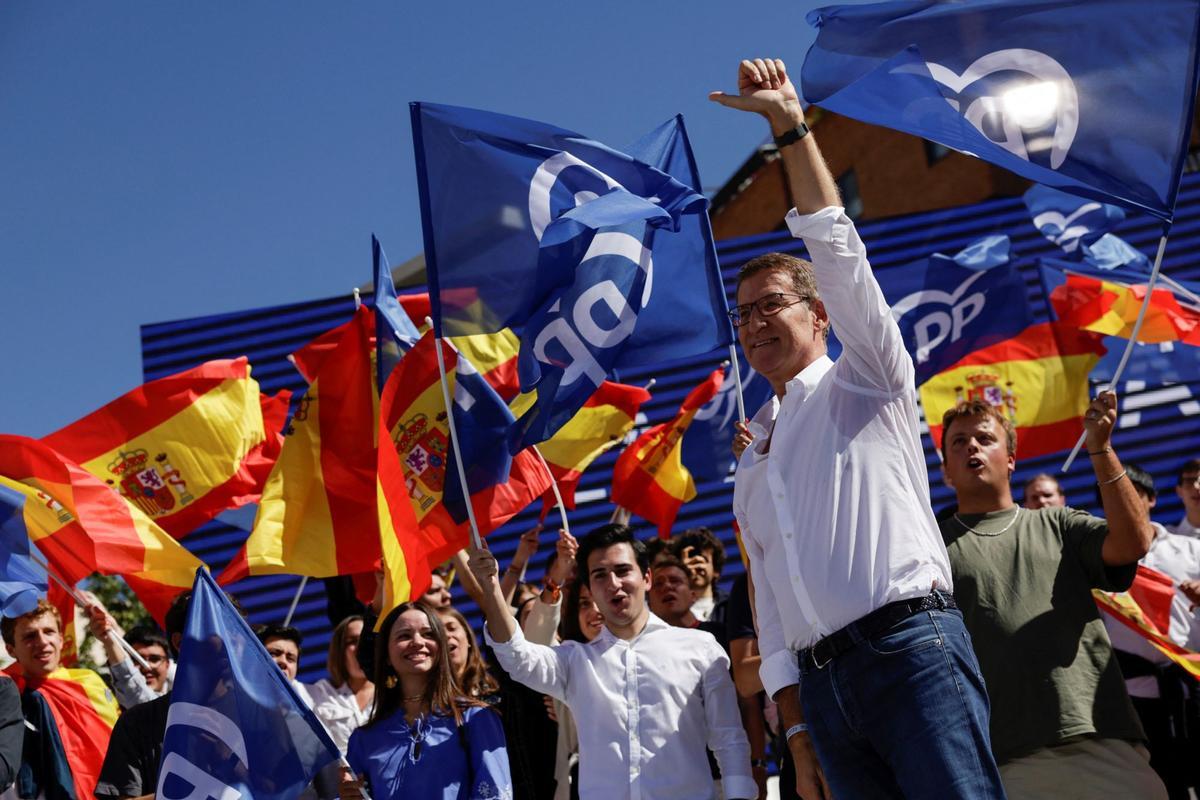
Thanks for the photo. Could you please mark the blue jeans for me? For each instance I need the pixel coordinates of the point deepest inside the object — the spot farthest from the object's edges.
(903, 714)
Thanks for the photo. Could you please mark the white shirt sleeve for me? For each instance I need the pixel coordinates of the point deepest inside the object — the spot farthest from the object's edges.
(872, 345)
(542, 622)
(129, 684)
(778, 668)
(537, 666)
(726, 736)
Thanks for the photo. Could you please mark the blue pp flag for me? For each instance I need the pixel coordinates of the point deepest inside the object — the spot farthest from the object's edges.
(948, 306)
(1083, 228)
(599, 259)
(236, 727)
(395, 333)
(1091, 96)
(707, 448)
(22, 580)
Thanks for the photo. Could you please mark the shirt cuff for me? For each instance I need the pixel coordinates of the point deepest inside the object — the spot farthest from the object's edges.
(517, 638)
(779, 670)
(739, 786)
(817, 226)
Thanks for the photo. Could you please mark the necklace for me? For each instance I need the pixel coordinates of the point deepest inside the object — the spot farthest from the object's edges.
(413, 699)
(416, 735)
(1016, 513)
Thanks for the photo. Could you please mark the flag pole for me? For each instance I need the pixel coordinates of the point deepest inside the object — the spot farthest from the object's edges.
(562, 507)
(126, 646)
(295, 601)
(476, 541)
(737, 381)
(1133, 336)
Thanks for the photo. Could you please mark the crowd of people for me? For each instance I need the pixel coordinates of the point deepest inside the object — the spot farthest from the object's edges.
(873, 649)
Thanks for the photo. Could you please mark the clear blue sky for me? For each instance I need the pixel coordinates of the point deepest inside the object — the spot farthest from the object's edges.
(168, 160)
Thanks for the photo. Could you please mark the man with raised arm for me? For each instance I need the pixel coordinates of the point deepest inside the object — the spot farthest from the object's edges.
(862, 646)
(648, 697)
(1061, 716)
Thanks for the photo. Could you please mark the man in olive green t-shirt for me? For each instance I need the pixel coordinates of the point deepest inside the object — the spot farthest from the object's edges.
(1062, 724)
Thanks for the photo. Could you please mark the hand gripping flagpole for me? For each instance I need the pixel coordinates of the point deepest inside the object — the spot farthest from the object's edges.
(476, 540)
(36, 557)
(1133, 336)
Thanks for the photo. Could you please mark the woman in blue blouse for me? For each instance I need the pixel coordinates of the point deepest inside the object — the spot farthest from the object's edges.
(424, 738)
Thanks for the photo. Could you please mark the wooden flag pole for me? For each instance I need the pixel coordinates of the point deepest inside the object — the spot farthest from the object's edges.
(1133, 337)
(295, 601)
(476, 540)
(112, 635)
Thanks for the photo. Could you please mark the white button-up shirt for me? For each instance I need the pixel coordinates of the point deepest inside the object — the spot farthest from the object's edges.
(645, 710)
(1185, 528)
(835, 517)
(1178, 557)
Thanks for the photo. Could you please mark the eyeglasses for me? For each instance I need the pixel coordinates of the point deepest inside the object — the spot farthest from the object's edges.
(768, 306)
(154, 661)
(1190, 480)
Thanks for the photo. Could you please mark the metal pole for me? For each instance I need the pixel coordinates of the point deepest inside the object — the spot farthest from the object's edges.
(295, 601)
(476, 540)
(737, 382)
(1137, 328)
(562, 508)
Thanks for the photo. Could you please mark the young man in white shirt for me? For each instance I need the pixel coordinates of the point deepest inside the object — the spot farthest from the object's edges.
(861, 645)
(647, 698)
(1187, 487)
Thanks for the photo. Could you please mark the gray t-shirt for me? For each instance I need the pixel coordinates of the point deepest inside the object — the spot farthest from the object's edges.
(1025, 595)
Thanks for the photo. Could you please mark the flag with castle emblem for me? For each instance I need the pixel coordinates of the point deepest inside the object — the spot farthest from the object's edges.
(183, 448)
(1039, 379)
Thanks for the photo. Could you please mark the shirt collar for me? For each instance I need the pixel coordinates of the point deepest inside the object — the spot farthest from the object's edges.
(652, 623)
(1187, 528)
(803, 384)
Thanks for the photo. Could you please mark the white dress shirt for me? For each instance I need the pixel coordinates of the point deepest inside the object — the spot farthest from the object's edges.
(836, 517)
(645, 710)
(1185, 528)
(1178, 557)
(337, 708)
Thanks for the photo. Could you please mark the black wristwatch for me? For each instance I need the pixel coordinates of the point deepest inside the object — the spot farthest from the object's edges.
(791, 137)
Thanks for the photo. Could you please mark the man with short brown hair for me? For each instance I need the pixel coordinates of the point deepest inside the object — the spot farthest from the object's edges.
(1060, 712)
(70, 761)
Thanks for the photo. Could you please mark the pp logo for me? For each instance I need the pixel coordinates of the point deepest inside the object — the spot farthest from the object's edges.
(576, 331)
(1026, 107)
(938, 326)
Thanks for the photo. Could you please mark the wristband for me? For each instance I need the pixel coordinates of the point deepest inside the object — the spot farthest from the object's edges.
(799, 727)
(1100, 452)
(555, 590)
(791, 137)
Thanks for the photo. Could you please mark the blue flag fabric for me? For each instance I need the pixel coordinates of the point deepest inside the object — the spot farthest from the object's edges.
(482, 421)
(236, 726)
(394, 331)
(948, 306)
(1091, 96)
(22, 580)
(707, 448)
(600, 259)
(1083, 228)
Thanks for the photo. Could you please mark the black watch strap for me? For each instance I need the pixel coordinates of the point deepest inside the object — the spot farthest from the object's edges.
(791, 137)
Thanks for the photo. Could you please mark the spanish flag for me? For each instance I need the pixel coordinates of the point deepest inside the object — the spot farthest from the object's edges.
(601, 424)
(82, 712)
(1039, 379)
(414, 421)
(1146, 610)
(182, 448)
(82, 526)
(317, 514)
(649, 478)
(1111, 308)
